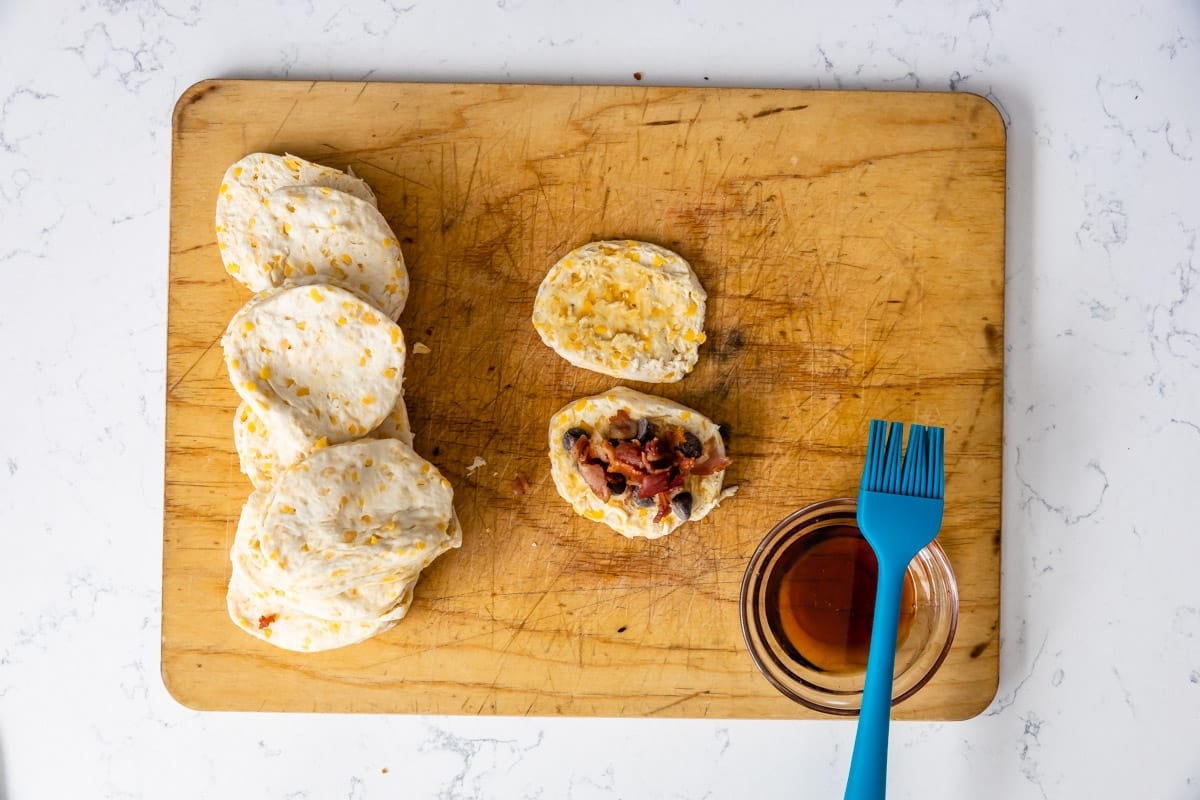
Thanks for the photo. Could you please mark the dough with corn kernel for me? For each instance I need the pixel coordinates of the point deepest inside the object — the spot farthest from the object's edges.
(259, 454)
(315, 234)
(306, 622)
(240, 199)
(316, 364)
(256, 609)
(354, 514)
(628, 309)
(384, 601)
(396, 424)
(593, 414)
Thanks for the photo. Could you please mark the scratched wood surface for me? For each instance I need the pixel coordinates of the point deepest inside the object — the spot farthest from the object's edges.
(852, 245)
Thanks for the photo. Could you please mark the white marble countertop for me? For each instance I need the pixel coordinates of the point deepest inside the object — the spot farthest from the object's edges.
(1100, 659)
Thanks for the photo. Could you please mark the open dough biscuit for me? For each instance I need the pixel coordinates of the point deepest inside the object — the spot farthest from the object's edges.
(259, 455)
(354, 514)
(317, 364)
(643, 465)
(628, 309)
(314, 234)
(242, 194)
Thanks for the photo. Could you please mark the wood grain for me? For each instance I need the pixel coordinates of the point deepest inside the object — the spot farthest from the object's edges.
(852, 245)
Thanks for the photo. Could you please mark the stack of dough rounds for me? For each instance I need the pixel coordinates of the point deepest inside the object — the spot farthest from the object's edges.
(344, 513)
(629, 309)
(330, 554)
(283, 220)
(313, 364)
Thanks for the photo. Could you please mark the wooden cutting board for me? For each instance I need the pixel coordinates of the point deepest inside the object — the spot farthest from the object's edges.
(852, 246)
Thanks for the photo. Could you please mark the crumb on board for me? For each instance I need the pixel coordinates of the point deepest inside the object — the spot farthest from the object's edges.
(476, 464)
(520, 485)
(420, 349)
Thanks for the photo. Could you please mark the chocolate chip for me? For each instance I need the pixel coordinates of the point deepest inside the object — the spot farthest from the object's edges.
(571, 437)
(690, 447)
(681, 504)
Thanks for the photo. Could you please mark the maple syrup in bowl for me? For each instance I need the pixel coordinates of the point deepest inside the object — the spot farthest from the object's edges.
(807, 604)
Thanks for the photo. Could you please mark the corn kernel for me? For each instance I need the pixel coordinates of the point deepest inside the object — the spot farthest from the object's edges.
(346, 259)
(390, 372)
(316, 295)
(302, 391)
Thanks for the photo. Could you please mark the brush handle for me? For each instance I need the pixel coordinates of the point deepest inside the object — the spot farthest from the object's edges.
(868, 764)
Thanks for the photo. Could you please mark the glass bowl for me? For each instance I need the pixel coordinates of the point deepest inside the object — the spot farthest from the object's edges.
(806, 605)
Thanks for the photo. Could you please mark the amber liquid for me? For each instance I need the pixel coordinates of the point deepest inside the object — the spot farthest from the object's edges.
(825, 600)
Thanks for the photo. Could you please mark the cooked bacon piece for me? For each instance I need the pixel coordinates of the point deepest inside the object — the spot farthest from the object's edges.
(593, 476)
(654, 483)
(627, 460)
(664, 506)
(657, 463)
(622, 426)
(632, 474)
(628, 453)
(266, 620)
(579, 450)
(674, 436)
(711, 464)
(658, 454)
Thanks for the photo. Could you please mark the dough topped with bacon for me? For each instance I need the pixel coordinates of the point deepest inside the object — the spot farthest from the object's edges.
(643, 465)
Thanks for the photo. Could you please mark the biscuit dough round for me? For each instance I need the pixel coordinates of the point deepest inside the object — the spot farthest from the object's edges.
(315, 234)
(255, 609)
(317, 364)
(259, 453)
(384, 601)
(628, 309)
(354, 514)
(243, 191)
(593, 414)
